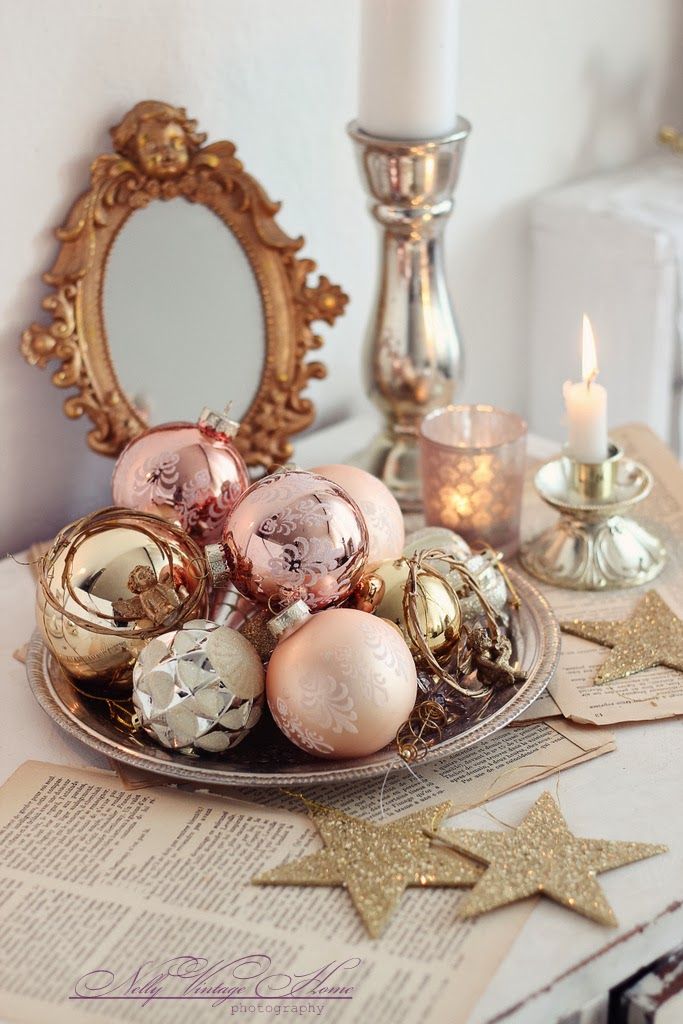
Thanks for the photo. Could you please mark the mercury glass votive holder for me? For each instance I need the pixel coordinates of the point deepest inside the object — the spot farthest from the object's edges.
(472, 463)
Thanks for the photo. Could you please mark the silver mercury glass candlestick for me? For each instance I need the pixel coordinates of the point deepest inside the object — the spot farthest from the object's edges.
(412, 360)
(594, 545)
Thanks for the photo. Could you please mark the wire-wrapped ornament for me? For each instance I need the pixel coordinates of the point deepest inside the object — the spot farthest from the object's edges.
(485, 566)
(189, 473)
(198, 689)
(480, 663)
(435, 605)
(109, 583)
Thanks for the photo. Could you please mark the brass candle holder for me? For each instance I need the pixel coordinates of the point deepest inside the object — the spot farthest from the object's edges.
(594, 545)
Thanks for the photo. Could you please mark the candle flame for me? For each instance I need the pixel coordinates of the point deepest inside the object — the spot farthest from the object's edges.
(589, 360)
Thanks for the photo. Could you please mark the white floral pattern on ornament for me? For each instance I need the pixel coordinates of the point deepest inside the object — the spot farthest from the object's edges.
(157, 478)
(306, 559)
(294, 730)
(379, 521)
(197, 506)
(310, 512)
(327, 701)
(342, 661)
(282, 522)
(387, 649)
(302, 516)
(289, 486)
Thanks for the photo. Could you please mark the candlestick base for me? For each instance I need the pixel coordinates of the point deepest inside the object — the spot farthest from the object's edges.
(393, 456)
(593, 545)
(412, 359)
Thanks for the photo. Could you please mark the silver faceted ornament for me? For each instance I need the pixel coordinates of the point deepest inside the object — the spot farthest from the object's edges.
(199, 689)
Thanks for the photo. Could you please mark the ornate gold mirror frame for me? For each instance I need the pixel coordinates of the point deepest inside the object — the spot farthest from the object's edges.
(159, 155)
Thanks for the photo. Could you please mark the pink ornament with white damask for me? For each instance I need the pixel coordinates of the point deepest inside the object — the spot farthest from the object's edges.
(295, 536)
(341, 684)
(191, 474)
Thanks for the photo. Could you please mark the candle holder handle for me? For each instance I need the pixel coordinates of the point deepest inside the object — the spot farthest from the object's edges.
(412, 360)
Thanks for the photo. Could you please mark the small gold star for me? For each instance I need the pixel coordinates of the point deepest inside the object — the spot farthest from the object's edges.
(542, 856)
(376, 863)
(652, 635)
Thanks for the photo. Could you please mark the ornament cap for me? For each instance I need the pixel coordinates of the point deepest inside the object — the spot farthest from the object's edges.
(218, 422)
(288, 621)
(217, 564)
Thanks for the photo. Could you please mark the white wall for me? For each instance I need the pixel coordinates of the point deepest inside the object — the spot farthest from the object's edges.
(555, 89)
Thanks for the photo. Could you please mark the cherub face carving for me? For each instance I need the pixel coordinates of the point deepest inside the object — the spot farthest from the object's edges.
(162, 148)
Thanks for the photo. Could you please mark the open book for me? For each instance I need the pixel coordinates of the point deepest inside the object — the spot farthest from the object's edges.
(118, 905)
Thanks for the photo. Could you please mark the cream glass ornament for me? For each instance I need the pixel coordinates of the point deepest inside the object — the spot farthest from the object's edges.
(189, 473)
(436, 607)
(436, 537)
(341, 684)
(199, 689)
(381, 511)
(295, 535)
(94, 618)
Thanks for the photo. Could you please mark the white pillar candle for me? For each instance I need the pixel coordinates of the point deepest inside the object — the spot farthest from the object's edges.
(586, 404)
(408, 68)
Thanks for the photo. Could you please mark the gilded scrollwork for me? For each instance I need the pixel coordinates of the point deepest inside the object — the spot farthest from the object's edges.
(159, 155)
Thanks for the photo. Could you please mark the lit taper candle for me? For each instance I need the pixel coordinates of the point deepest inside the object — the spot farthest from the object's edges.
(586, 404)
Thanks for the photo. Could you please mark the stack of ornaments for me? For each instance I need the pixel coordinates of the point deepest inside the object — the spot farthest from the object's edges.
(321, 563)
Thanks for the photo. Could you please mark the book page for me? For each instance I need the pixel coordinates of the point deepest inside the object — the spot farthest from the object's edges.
(498, 764)
(543, 707)
(657, 692)
(120, 905)
(505, 761)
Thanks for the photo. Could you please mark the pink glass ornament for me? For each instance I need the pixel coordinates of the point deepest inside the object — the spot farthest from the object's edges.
(381, 511)
(191, 474)
(342, 684)
(294, 535)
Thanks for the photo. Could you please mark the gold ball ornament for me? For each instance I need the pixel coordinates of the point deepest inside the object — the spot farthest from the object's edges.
(368, 594)
(437, 610)
(110, 582)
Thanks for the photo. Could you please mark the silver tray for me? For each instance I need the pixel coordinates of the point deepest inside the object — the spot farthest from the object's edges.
(266, 757)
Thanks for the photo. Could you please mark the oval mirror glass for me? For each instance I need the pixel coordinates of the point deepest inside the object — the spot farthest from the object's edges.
(183, 313)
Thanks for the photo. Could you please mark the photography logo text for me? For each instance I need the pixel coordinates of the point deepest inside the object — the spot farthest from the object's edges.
(247, 985)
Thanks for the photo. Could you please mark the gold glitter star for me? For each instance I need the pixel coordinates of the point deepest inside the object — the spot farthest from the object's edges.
(376, 863)
(542, 856)
(652, 635)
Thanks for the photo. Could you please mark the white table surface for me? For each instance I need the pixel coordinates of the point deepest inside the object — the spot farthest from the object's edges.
(559, 961)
